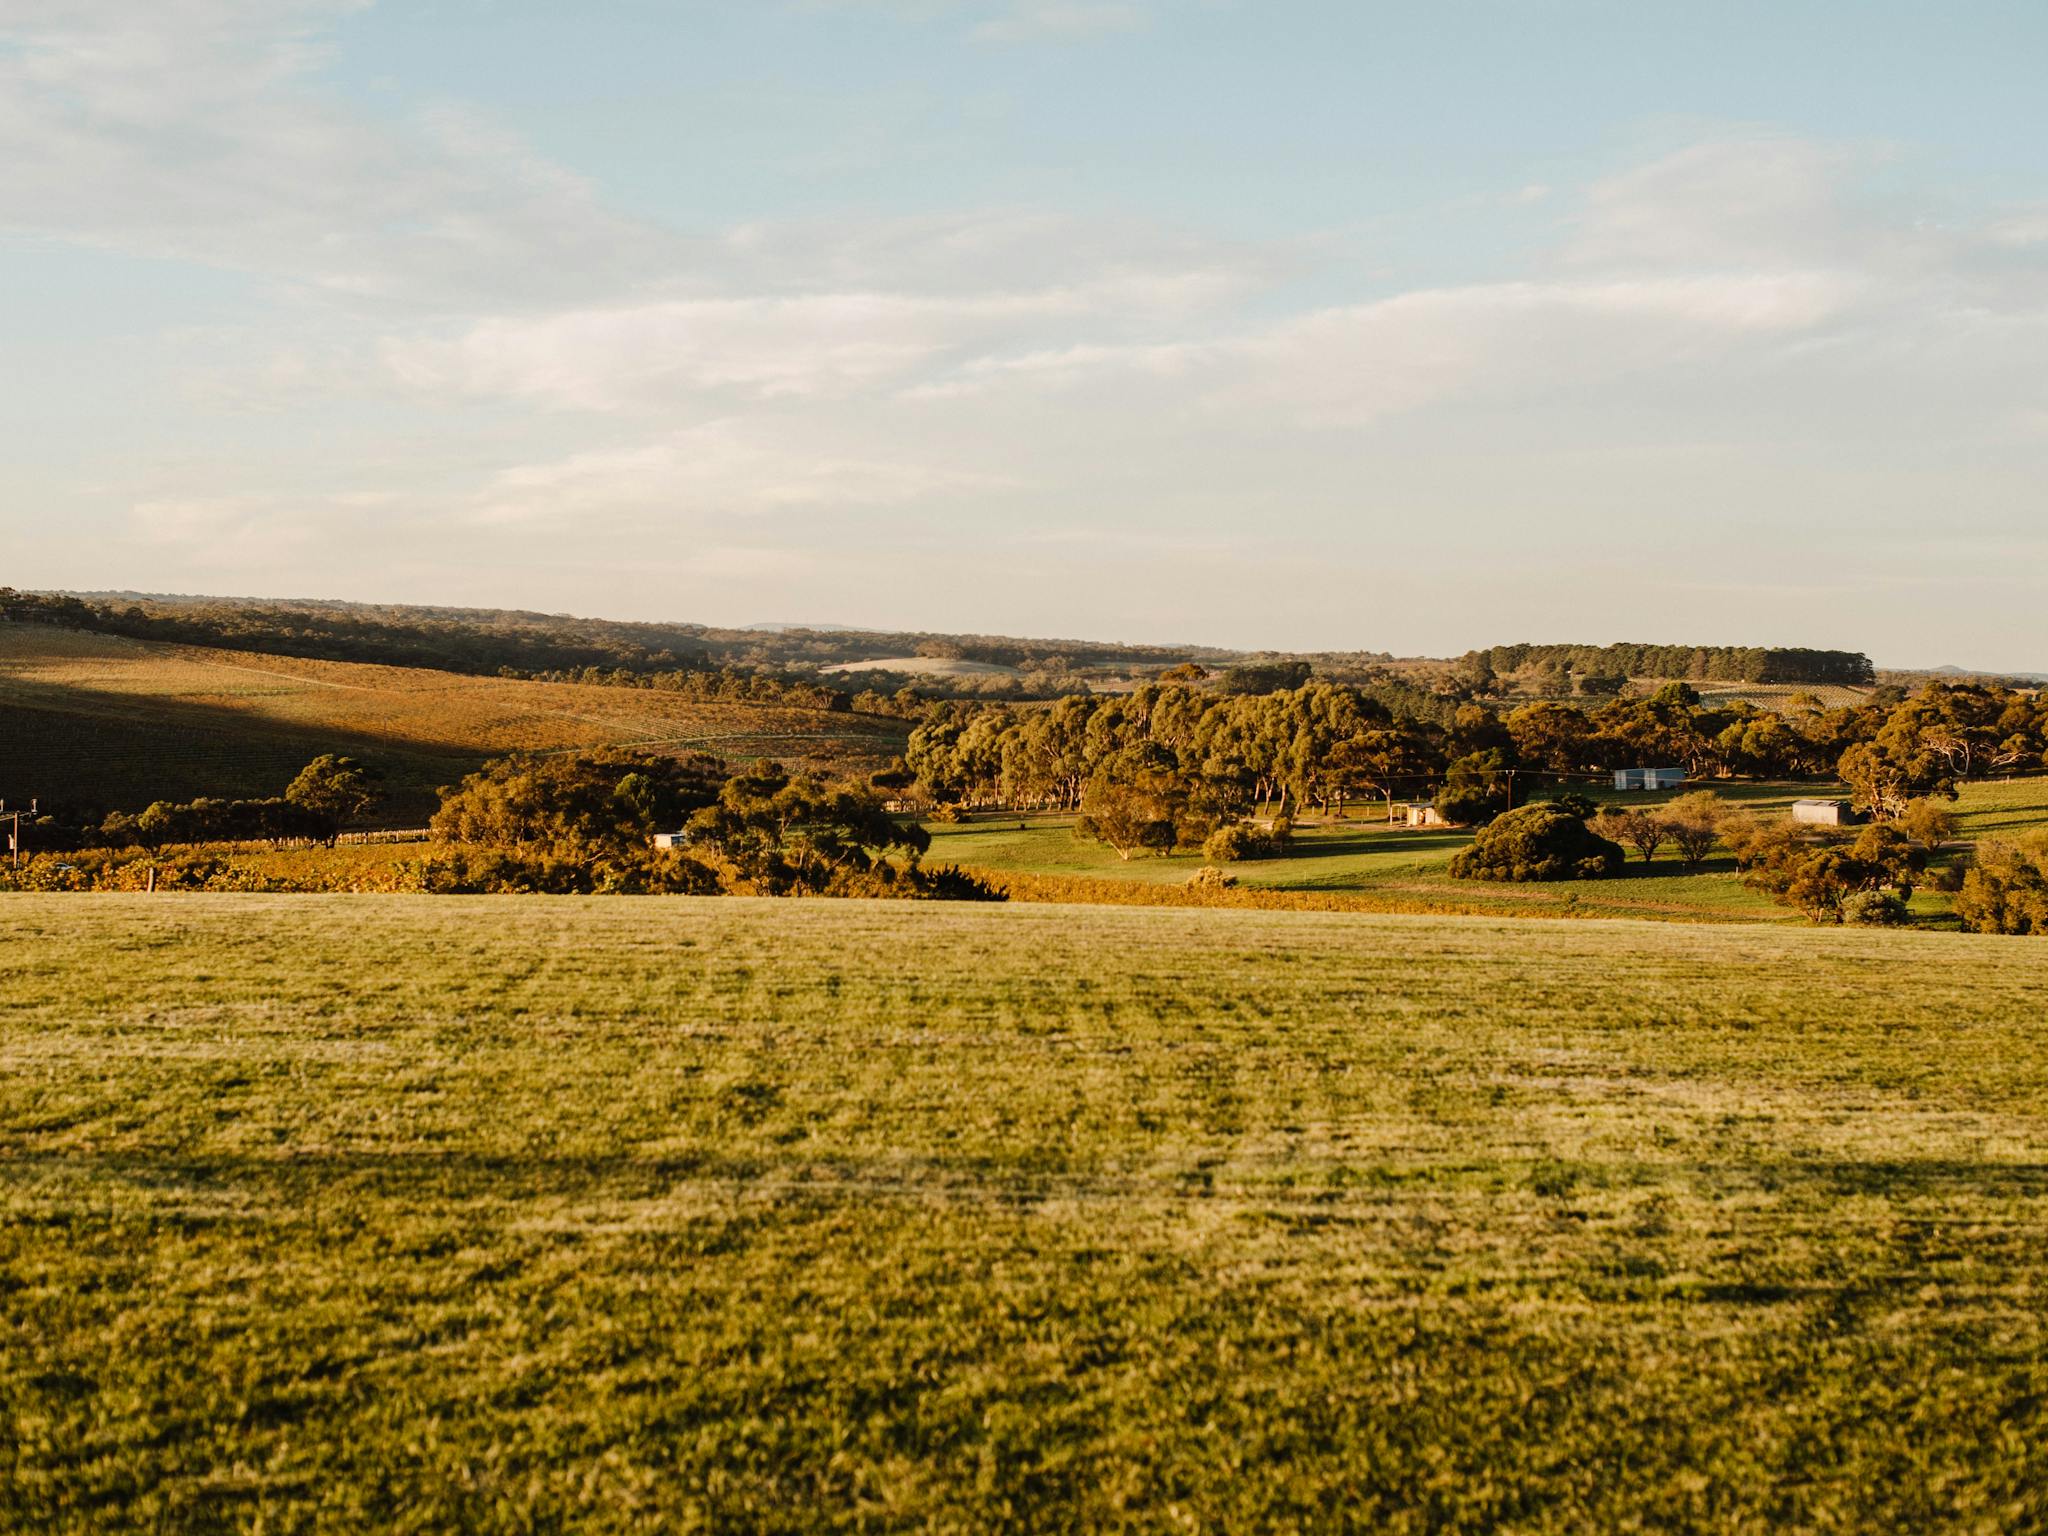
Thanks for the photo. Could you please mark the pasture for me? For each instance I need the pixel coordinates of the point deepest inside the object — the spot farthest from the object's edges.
(609, 1215)
(116, 723)
(1361, 861)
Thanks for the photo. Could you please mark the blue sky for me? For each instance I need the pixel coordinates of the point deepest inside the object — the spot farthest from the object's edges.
(1291, 324)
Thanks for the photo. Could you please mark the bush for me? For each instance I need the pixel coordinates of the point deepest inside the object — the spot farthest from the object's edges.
(1644, 831)
(1242, 840)
(1694, 823)
(1537, 842)
(2007, 892)
(1928, 823)
(1814, 872)
(1209, 877)
(1874, 909)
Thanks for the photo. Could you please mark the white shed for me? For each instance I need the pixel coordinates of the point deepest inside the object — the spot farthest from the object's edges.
(670, 839)
(1648, 778)
(1419, 813)
(1823, 813)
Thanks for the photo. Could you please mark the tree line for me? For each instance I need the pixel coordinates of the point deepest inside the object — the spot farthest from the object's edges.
(330, 794)
(588, 822)
(486, 641)
(1324, 745)
(1686, 663)
(558, 823)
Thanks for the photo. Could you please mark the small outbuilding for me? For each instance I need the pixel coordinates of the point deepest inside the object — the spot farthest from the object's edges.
(1823, 813)
(1648, 778)
(1419, 813)
(670, 839)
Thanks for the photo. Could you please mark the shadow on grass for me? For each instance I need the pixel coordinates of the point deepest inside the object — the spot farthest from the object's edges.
(80, 747)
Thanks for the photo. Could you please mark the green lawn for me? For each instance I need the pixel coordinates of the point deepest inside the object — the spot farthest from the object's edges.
(2002, 808)
(1364, 857)
(349, 1213)
(1363, 854)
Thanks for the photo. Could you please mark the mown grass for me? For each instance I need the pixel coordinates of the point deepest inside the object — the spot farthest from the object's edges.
(111, 722)
(416, 1214)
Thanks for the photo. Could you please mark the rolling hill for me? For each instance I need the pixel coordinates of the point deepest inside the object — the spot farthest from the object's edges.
(114, 723)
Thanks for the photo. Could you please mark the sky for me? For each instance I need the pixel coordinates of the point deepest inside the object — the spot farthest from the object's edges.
(1297, 324)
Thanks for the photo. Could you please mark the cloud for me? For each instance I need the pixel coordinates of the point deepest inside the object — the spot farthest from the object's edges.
(1348, 365)
(1743, 202)
(198, 129)
(704, 475)
(766, 348)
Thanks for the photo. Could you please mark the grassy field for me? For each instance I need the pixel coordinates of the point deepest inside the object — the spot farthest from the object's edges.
(1365, 860)
(589, 1215)
(1362, 857)
(117, 723)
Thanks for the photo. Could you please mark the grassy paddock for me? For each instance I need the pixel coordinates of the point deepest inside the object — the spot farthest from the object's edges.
(418, 1214)
(1361, 863)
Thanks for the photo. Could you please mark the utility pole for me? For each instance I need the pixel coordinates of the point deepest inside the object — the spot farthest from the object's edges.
(14, 833)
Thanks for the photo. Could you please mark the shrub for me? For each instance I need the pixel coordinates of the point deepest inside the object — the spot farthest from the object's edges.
(1242, 840)
(1693, 822)
(949, 882)
(1874, 909)
(1537, 842)
(1814, 872)
(2007, 892)
(1644, 831)
(1929, 823)
(1209, 877)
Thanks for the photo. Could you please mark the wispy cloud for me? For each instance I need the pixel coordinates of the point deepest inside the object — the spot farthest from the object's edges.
(199, 129)
(701, 476)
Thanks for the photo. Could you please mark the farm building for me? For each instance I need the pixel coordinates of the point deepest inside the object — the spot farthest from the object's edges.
(1823, 813)
(670, 839)
(1648, 778)
(1418, 813)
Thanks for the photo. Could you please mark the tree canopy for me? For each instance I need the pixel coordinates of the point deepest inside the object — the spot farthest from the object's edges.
(1537, 842)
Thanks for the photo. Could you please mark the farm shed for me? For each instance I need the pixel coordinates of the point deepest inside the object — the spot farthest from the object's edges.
(1648, 778)
(1823, 813)
(1418, 813)
(669, 839)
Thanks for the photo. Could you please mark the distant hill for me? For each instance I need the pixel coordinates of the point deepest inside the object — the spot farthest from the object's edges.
(1955, 671)
(490, 639)
(111, 722)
